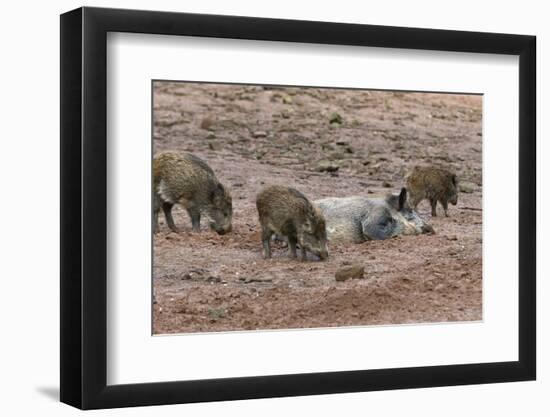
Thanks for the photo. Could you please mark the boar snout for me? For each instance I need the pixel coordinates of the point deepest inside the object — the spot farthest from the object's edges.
(427, 229)
(221, 230)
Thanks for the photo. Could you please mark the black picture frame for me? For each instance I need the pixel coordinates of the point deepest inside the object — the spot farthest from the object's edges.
(84, 207)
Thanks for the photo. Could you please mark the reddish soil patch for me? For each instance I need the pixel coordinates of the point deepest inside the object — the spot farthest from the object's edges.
(254, 136)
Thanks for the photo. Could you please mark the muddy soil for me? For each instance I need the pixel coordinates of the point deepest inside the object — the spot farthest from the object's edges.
(255, 136)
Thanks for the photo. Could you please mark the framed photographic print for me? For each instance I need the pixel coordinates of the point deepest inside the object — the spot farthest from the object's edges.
(257, 207)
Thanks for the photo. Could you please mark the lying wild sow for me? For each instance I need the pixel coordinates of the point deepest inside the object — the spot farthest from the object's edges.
(358, 218)
(186, 179)
(433, 184)
(287, 212)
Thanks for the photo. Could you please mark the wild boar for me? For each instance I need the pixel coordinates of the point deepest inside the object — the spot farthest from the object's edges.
(357, 218)
(287, 212)
(433, 184)
(186, 179)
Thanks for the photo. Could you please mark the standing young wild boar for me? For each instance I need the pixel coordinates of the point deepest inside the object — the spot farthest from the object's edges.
(433, 184)
(287, 212)
(186, 179)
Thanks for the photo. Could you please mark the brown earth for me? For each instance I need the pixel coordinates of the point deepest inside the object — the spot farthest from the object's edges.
(254, 136)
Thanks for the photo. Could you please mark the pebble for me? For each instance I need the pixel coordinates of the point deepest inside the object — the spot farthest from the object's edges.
(207, 123)
(259, 134)
(465, 188)
(326, 166)
(355, 272)
(335, 118)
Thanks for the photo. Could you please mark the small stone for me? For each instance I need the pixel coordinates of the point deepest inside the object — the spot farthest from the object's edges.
(259, 134)
(326, 166)
(211, 135)
(287, 100)
(214, 146)
(335, 119)
(452, 237)
(285, 114)
(207, 123)
(355, 272)
(465, 188)
(387, 184)
(335, 156)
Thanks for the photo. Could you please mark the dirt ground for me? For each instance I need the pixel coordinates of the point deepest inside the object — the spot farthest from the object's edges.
(257, 136)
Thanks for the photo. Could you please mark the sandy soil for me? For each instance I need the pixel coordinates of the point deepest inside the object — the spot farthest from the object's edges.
(255, 136)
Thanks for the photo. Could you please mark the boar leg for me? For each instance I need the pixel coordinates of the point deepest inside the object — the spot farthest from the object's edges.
(433, 202)
(292, 244)
(195, 218)
(414, 201)
(304, 254)
(167, 209)
(445, 207)
(266, 238)
(156, 209)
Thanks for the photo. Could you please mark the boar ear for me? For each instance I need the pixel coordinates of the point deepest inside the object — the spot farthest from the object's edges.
(217, 192)
(308, 227)
(402, 198)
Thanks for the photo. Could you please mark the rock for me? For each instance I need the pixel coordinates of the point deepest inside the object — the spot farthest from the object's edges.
(335, 119)
(335, 156)
(251, 280)
(207, 123)
(345, 273)
(287, 99)
(326, 166)
(465, 188)
(259, 134)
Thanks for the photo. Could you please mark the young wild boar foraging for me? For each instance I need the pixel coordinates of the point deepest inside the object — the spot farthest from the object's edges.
(287, 212)
(433, 184)
(186, 179)
(357, 218)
